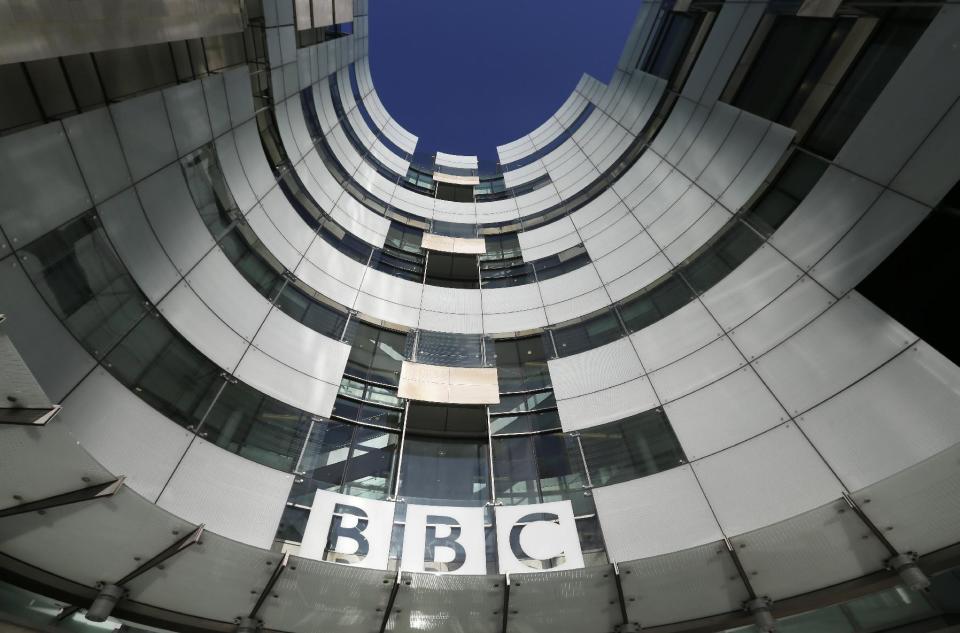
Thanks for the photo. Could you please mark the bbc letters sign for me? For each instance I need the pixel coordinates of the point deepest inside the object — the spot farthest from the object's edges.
(442, 539)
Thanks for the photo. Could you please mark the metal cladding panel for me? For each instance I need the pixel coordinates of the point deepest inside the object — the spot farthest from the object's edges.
(578, 306)
(658, 589)
(731, 156)
(595, 209)
(697, 370)
(231, 297)
(625, 242)
(670, 131)
(274, 56)
(441, 602)
(285, 383)
(749, 287)
(689, 208)
(283, 127)
(638, 278)
(233, 172)
(239, 94)
(688, 135)
(724, 413)
(900, 415)
(87, 542)
(558, 601)
(315, 595)
(124, 433)
(931, 172)
(668, 509)
(451, 300)
(187, 109)
(271, 237)
(298, 125)
(576, 179)
(764, 158)
(456, 160)
(174, 217)
(714, 48)
(636, 174)
(821, 547)
(769, 478)
(607, 405)
(612, 150)
(66, 466)
(97, 148)
(232, 495)
(41, 183)
(361, 221)
(834, 204)
(213, 580)
(137, 245)
(669, 339)
(387, 310)
(305, 350)
(920, 506)
(325, 283)
(594, 369)
(781, 318)
(551, 248)
(287, 220)
(411, 202)
(145, 133)
(888, 222)
(636, 196)
(215, 93)
(318, 180)
(335, 264)
(688, 242)
(871, 149)
(390, 288)
(599, 224)
(250, 150)
(752, 14)
(844, 344)
(661, 199)
(199, 325)
(569, 285)
(714, 132)
(514, 321)
(451, 322)
(438, 383)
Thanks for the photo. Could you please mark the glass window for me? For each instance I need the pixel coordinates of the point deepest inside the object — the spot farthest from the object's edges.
(324, 459)
(781, 198)
(525, 422)
(451, 349)
(445, 471)
(539, 468)
(652, 305)
(587, 334)
(83, 281)
(209, 189)
(723, 256)
(250, 263)
(631, 448)
(522, 364)
(293, 524)
(376, 355)
(370, 463)
(452, 271)
(166, 371)
(672, 42)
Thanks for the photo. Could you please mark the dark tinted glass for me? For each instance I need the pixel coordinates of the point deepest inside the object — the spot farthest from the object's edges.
(635, 447)
(587, 334)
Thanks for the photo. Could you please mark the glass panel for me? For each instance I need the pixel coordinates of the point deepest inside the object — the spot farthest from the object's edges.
(324, 460)
(722, 257)
(522, 364)
(83, 281)
(525, 422)
(631, 448)
(445, 471)
(515, 469)
(208, 188)
(587, 334)
(650, 306)
(371, 462)
(293, 523)
(376, 354)
(887, 608)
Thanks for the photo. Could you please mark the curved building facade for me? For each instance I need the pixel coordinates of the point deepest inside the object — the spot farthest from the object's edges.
(681, 360)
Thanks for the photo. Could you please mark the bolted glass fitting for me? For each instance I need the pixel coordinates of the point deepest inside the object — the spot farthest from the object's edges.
(104, 603)
(759, 608)
(910, 573)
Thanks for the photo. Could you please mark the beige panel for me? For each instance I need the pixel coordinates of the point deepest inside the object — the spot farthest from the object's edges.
(463, 245)
(53, 28)
(322, 12)
(456, 180)
(453, 385)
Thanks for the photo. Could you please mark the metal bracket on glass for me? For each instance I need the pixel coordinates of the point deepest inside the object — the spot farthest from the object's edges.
(388, 610)
(251, 622)
(505, 606)
(626, 626)
(97, 491)
(112, 592)
(905, 564)
(757, 606)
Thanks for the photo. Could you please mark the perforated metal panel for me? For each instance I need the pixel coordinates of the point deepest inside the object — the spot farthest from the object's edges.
(465, 604)
(564, 602)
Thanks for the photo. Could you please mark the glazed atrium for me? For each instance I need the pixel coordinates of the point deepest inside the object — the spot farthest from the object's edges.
(680, 360)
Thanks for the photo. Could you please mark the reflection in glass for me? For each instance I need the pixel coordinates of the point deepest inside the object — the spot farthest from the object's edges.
(631, 448)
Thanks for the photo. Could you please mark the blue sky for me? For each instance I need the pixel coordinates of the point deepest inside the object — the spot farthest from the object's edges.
(468, 75)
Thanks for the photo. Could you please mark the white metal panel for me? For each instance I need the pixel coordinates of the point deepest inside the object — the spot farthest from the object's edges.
(546, 233)
(766, 479)
(124, 433)
(275, 242)
(98, 152)
(233, 496)
(642, 191)
(542, 198)
(189, 121)
(514, 321)
(578, 306)
(696, 370)
(336, 264)
(596, 208)
(144, 133)
(733, 49)
(689, 208)
(689, 134)
(931, 172)
(390, 288)
(199, 325)
(318, 180)
(41, 183)
(667, 511)
(239, 94)
(833, 205)
(637, 173)
(786, 314)
(287, 220)
(842, 345)
(761, 162)
(325, 283)
(233, 172)
(215, 94)
(608, 405)
(218, 283)
(733, 154)
(360, 221)
(457, 323)
(595, 369)
(599, 225)
(624, 234)
(898, 416)
(658, 589)
(250, 149)
(667, 193)
(920, 506)
(671, 338)
(386, 310)
(712, 135)
(451, 300)
(568, 285)
(173, 215)
(670, 130)
(53, 355)
(135, 242)
(286, 384)
(724, 413)
(576, 179)
(305, 350)
(638, 278)
(821, 547)
(751, 286)
(888, 222)
(698, 234)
